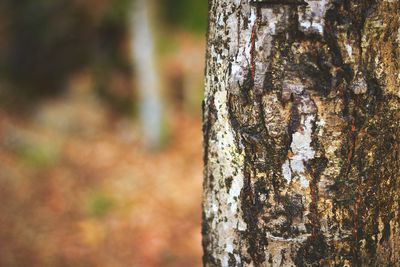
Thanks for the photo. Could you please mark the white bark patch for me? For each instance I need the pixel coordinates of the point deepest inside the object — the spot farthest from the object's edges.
(349, 50)
(263, 45)
(311, 19)
(240, 51)
(302, 152)
(321, 124)
(226, 210)
(294, 166)
(398, 36)
(286, 171)
(222, 202)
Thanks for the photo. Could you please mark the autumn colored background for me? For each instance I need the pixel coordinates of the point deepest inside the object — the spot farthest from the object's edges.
(79, 183)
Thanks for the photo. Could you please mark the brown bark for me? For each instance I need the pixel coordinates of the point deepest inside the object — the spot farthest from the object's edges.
(302, 133)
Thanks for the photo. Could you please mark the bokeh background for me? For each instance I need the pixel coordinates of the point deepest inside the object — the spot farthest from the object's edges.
(100, 132)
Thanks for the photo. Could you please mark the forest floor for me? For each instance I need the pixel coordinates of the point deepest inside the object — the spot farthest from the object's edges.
(78, 189)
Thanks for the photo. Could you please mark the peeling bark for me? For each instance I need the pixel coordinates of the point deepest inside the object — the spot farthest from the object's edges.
(302, 133)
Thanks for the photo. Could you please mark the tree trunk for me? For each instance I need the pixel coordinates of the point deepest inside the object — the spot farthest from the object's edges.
(302, 134)
(148, 80)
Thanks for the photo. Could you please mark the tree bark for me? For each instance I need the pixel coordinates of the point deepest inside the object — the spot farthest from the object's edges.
(301, 133)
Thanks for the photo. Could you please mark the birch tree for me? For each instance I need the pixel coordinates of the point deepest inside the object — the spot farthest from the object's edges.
(302, 134)
(148, 80)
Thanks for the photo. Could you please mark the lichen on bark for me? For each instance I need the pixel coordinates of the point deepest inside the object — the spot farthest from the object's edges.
(301, 133)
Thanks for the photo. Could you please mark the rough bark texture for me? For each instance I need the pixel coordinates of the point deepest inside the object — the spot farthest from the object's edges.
(302, 134)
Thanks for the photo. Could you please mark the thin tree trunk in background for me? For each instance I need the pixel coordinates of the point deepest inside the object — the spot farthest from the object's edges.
(302, 133)
(148, 80)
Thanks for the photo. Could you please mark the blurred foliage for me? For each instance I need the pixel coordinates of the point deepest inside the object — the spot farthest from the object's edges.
(189, 15)
(46, 41)
(119, 11)
(38, 156)
(36, 152)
